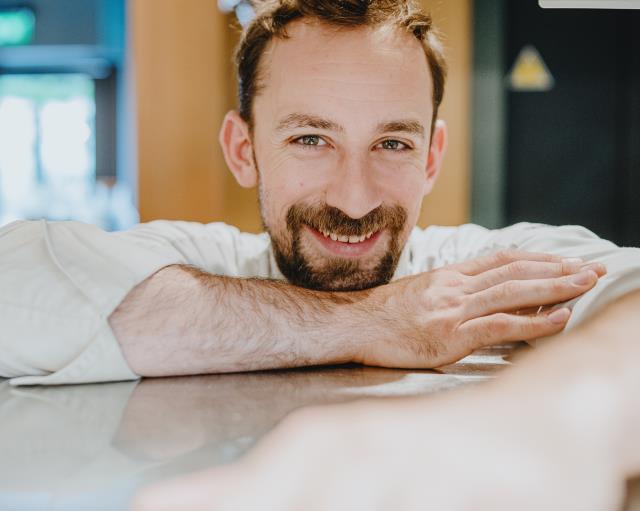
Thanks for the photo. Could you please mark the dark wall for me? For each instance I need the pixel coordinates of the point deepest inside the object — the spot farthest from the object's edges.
(572, 151)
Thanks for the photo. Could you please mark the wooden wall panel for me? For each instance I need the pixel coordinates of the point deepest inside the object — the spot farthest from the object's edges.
(182, 82)
(449, 203)
(185, 84)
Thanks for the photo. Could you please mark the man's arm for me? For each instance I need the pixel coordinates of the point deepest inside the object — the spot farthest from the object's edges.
(185, 321)
(59, 282)
(559, 430)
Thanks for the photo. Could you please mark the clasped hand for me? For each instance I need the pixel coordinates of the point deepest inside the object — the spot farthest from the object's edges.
(438, 317)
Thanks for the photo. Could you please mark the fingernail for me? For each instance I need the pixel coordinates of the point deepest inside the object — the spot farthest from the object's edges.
(559, 316)
(595, 267)
(583, 278)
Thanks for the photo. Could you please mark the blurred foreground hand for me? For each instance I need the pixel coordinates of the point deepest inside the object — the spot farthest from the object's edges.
(557, 431)
(474, 452)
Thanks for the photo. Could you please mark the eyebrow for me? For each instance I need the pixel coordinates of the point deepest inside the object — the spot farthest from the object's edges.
(300, 120)
(296, 120)
(402, 125)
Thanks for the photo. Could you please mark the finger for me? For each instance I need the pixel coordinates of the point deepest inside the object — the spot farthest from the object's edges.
(501, 258)
(520, 294)
(529, 270)
(533, 310)
(502, 327)
(521, 270)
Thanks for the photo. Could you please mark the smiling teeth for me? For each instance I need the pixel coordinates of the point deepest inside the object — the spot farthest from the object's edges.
(346, 239)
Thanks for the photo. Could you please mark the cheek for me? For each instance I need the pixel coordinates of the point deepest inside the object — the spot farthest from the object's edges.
(292, 180)
(287, 181)
(403, 183)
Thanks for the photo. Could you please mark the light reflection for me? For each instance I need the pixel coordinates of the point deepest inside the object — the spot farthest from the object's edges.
(17, 162)
(67, 140)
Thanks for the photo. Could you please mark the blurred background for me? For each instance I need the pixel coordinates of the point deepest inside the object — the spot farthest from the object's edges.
(110, 109)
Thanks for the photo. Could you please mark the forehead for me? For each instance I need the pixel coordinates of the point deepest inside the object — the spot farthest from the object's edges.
(349, 74)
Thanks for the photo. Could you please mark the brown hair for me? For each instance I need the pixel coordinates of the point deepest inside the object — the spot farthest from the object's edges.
(272, 17)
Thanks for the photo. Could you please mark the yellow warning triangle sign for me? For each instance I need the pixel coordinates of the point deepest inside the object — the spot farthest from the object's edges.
(529, 72)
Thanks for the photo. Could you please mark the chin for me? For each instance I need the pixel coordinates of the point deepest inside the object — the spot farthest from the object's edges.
(338, 275)
(353, 284)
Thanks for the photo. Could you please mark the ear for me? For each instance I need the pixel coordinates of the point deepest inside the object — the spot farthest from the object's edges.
(238, 149)
(436, 154)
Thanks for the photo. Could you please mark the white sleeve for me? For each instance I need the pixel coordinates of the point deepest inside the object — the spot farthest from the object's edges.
(60, 281)
(623, 264)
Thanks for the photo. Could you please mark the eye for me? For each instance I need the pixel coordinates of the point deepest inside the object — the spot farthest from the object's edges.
(393, 145)
(310, 141)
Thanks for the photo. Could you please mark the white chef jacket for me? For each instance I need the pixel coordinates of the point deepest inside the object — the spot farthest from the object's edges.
(60, 281)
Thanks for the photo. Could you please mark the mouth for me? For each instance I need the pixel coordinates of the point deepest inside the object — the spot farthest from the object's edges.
(345, 246)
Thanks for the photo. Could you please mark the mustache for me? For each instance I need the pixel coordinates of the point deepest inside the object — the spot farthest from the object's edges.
(331, 219)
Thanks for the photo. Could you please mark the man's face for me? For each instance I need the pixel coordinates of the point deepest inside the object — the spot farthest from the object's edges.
(341, 147)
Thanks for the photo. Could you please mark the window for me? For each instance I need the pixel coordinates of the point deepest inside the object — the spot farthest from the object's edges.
(48, 153)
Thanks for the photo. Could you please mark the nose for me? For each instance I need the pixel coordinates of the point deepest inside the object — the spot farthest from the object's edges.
(352, 188)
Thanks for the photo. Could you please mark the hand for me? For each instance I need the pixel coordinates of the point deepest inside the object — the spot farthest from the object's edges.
(436, 318)
(470, 451)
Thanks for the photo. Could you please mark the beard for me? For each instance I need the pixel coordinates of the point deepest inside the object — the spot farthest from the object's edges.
(336, 274)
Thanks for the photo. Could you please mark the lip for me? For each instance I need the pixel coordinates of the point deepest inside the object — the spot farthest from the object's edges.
(342, 249)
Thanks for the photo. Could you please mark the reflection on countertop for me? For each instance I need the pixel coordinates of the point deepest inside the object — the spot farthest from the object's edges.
(91, 446)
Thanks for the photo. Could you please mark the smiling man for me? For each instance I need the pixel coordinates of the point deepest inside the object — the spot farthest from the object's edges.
(341, 151)
(338, 128)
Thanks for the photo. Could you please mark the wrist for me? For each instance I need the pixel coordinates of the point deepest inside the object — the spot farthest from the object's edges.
(369, 326)
(329, 327)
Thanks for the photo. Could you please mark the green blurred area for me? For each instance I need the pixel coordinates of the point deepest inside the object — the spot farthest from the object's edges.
(44, 87)
(17, 27)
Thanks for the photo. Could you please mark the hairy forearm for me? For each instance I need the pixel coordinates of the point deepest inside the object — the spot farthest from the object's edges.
(184, 321)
